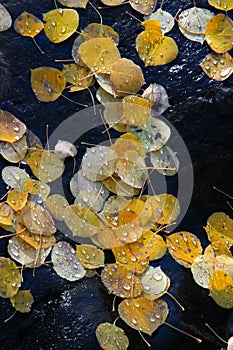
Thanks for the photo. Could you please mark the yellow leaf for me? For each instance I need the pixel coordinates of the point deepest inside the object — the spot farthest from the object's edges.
(184, 247)
(220, 228)
(38, 220)
(47, 83)
(217, 66)
(56, 205)
(37, 187)
(97, 30)
(111, 337)
(17, 199)
(225, 5)
(22, 301)
(125, 77)
(143, 314)
(6, 214)
(112, 2)
(60, 24)
(99, 54)
(143, 6)
(80, 77)
(90, 256)
(11, 128)
(10, 278)
(221, 289)
(28, 25)
(219, 33)
(74, 3)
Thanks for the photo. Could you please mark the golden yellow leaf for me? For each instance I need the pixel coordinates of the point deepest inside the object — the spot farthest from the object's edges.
(28, 25)
(219, 33)
(99, 54)
(112, 2)
(74, 3)
(90, 256)
(17, 199)
(10, 278)
(37, 187)
(143, 6)
(125, 77)
(47, 83)
(221, 289)
(184, 247)
(128, 258)
(60, 24)
(22, 301)
(56, 205)
(97, 30)
(143, 314)
(34, 240)
(220, 228)
(218, 248)
(225, 5)
(218, 66)
(6, 215)
(80, 77)
(116, 185)
(11, 128)
(121, 281)
(38, 220)
(111, 337)
(135, 110)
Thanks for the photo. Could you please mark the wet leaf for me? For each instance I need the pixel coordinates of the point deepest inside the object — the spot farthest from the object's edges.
(112, 2)
(224, 5)
(98, 163)
(80, 77)
(220, 228)
(34, 240)
(60, 24)
(219, 33)
(66, 263)
(165, 161)
(64, 149)
(184, 247)
(45, 165)
(221, 289)
(128, 142)
(14, 152)
(15, 177)
(74, 3)
(97, 30)
(10, 278)
(166, 207)
(11, 128)
(155, 283)
(90, 256)
(6, 215)
(218, 248)
(77, 59)
(104, 97)
(135, 110)
(111, 337)
(5, 19)
(125, 77)
(192, 23)
(22, 301)
(17, 199)
(143, 6)
(38, 220)
(81, 221)
(164, 18)
(119, 187)
(157, 94)
(28, 25)
(217, 66)
(143, 314)
(153, 48)
(99, 54)
(56, 205)
(37, 187)
(47, 83)
(120, 281)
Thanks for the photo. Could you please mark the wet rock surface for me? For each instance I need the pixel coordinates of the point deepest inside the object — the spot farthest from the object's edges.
(66, 314)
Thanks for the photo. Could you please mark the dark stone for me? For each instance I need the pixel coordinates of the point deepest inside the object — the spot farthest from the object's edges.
(65, 314)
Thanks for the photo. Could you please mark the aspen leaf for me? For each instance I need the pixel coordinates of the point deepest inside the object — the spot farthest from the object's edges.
(15, 177)
(225, 5)
(56, 205)
(112, 2)
(220, 228)
(193, 21)
(38, 220)
(22, 301)
(78, 76)
(60, 24)
(99, 54)
(135, 110)
(15, 152)
(155, 283)
(11, 128)
(165, 161)
(142, 314)
(104, 97)
(90, 256)
(6, 214)
(17, 199)
(218, 66)
(120, 281)
(97, 30)
(111, 337)
(221, 289)
(75, 55)
(164, 18)
(5, 19)
(64, 149)
(169, 208)
(47, 83)
(103, 79)
(37, 187)
(74, 3)
(28, 25)
(10, 278)
(34, 240)
(219, 33)
(119, 187)
(45, 165)
(184, 247)
(157, 94)
(143, 6)
(153, 48)
(66, 263)
(125, 77)
(218, 248)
